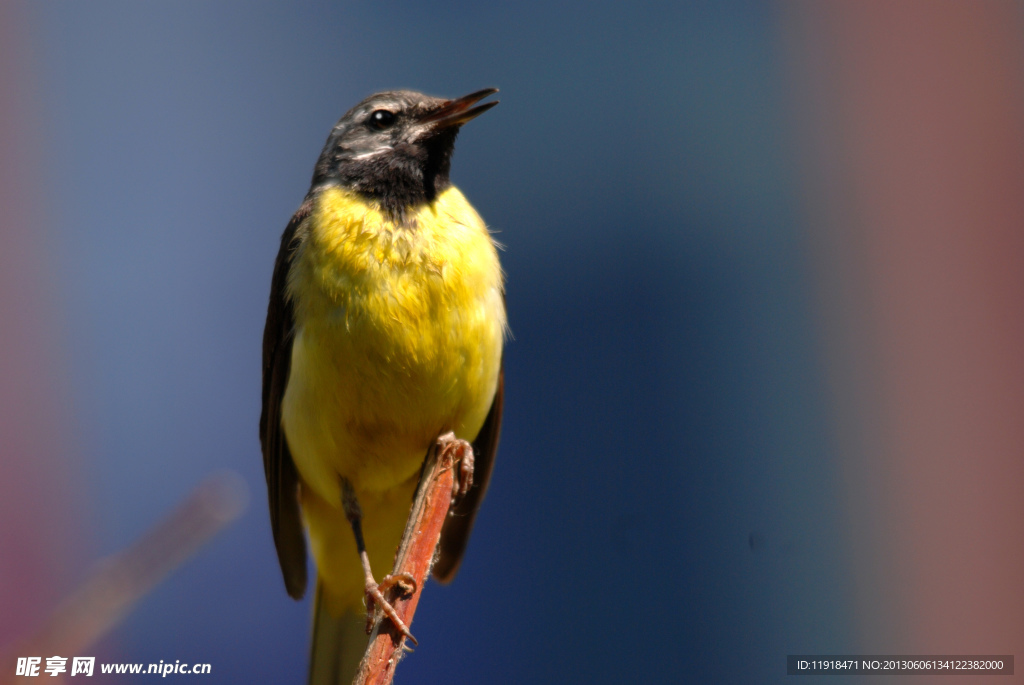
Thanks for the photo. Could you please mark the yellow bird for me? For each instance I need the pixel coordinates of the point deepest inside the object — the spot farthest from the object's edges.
(384, 331)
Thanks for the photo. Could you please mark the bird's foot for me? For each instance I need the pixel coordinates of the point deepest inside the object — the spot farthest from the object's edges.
(461, 454)
(375, 598)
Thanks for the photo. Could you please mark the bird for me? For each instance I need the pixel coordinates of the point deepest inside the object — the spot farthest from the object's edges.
(385, 330)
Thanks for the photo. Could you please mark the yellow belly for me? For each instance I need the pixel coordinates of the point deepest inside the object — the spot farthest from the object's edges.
(398, 339)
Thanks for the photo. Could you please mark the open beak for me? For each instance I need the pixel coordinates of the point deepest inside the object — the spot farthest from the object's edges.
(457, 112)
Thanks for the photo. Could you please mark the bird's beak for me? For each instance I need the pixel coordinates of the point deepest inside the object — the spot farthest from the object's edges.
(457, 112)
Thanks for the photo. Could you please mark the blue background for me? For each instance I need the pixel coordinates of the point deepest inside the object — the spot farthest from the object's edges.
(664, 504)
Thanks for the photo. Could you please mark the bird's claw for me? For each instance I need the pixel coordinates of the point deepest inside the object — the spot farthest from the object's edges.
(406, 583)
(461, 453)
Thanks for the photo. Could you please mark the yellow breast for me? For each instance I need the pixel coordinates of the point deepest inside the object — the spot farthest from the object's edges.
(398, 338)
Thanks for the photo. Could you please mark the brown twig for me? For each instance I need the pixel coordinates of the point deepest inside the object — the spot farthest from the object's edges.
(118, 582)
(415, 555)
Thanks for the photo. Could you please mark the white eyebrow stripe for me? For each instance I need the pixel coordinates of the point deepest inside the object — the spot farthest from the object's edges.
(373, 153)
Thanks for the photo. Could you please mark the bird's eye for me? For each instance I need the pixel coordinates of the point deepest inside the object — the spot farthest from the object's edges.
(381, 119)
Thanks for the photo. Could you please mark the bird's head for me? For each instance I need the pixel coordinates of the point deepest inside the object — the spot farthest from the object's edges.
(396, 146)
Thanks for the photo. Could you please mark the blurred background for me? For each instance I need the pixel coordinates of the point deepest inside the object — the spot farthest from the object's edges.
(765, 270)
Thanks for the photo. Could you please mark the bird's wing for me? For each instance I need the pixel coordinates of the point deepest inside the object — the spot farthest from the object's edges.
(282, 478)
(455, 534)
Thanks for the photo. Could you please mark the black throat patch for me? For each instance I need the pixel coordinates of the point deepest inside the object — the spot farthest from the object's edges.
(401, 177)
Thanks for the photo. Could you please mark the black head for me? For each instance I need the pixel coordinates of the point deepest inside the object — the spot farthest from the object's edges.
(396, 147)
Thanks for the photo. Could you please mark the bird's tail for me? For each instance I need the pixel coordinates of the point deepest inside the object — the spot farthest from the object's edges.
(338, 644)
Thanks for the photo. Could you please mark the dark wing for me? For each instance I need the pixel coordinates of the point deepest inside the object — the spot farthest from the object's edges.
(455, 534)
(282, 478)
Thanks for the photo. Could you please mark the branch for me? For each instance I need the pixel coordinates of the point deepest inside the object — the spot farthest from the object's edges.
(415, 555)
(120, 581)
